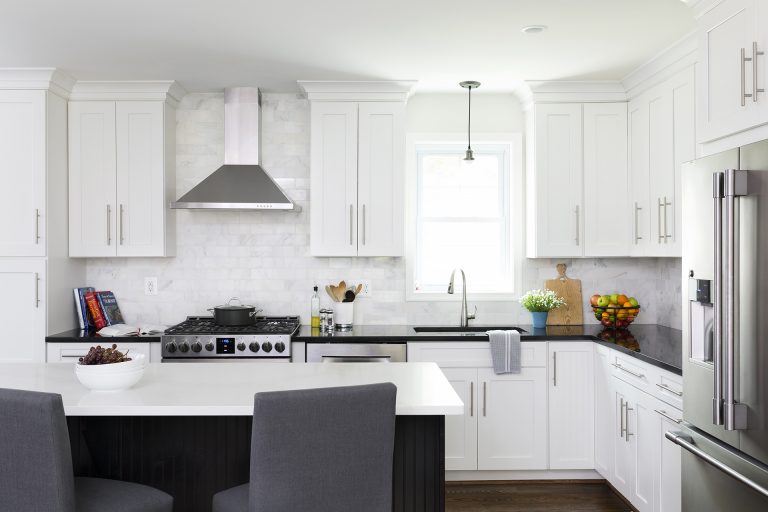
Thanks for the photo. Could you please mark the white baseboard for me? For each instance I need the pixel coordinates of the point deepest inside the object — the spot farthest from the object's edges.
(566, 474)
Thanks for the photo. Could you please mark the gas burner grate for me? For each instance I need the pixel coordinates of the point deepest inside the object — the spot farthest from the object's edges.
(262, 325)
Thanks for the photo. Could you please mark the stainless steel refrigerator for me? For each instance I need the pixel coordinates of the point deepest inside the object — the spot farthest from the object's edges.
(724, 435)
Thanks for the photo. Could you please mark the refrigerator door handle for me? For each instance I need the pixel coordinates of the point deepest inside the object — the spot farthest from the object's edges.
(717, 342)
(686, 442)
(735, 185)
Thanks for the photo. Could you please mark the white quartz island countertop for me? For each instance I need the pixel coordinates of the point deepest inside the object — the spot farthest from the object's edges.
(221, 389)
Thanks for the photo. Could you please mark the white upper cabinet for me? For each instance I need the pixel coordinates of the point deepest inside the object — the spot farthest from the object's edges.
(733, 75)
(571, 405)
(92, 178)
(333, 179)
(357, 167)
(661, 137)
(381, 156)
(22, 172)
(122, 175)
(555, 182)
(606, 224)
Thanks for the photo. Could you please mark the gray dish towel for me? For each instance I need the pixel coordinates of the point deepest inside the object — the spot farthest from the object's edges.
(505, 351)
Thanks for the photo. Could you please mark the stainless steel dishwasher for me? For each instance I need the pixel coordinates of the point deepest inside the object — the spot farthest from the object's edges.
(356, 352)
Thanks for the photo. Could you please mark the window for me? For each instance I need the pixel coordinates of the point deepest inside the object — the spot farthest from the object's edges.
(462, 219)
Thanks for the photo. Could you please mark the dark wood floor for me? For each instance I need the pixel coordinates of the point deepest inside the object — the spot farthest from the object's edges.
(532, 497)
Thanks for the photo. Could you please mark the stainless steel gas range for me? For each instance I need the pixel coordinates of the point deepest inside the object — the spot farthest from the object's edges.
(199, 338)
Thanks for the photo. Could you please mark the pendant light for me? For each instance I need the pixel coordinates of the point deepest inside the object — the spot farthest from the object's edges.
(469, 85)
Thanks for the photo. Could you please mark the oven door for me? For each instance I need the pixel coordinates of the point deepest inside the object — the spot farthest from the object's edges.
(356, 352)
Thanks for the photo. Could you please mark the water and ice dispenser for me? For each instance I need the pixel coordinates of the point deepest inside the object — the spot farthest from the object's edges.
(701, 319)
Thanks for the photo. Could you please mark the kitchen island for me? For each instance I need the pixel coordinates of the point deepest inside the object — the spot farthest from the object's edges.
(185, 428)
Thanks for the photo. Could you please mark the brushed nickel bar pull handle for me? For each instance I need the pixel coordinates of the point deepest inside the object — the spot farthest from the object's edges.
(485, 397)
(622, 429)
(121, 224)
(670, 418)
(744, 94)
(471, 398)
(363, 224)
(37, 290)
(627, 433)
(37, 226)
(717, 329)
(637, 228)
(658, 219)
(577, 225)
(638, 375)
(350, 224)
(667, 388)
(666, 229)
(109, 227)
(554, 367)
(755, 54)
(687, 442)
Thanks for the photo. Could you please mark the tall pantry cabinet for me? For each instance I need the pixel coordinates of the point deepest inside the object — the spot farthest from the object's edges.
(36, 274)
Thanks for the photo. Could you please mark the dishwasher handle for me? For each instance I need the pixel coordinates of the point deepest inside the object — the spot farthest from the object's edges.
(356, 359)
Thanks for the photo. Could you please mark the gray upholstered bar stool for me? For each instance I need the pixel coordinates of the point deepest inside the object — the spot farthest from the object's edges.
(36, 464)
(319, 450)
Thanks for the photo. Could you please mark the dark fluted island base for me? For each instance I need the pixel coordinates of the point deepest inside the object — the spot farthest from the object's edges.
(192, 458)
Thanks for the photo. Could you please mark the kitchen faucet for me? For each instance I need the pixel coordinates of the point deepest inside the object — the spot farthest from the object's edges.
(465, 316)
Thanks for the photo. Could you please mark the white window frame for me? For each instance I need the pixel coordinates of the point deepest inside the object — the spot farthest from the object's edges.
(515, 184)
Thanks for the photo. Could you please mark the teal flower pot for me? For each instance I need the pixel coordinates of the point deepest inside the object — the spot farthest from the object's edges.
(539, 319)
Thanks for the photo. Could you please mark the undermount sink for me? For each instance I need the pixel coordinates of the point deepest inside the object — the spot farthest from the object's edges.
(471, 328)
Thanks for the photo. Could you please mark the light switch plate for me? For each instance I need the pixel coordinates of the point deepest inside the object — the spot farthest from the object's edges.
(150, 286)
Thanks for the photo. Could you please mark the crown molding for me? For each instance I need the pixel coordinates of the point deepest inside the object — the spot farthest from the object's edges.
(325, 90)
(700, 7)
(145, 90)
(49, 79)
(662, 66)
(570, 91)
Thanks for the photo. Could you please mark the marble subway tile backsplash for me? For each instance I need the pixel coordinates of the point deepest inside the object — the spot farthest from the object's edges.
(263, 256)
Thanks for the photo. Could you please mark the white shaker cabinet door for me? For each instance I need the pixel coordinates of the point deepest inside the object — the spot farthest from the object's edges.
(669, 467)
(729, 34)
(22, 173)
(643, 435)
(555, 182)
(606, 223)
(22, 309)
(623, 452)
(571, 405)
(333, 181)
(380, 185)
(141, 205)
(512, 420)
(461, 431)
(604, 413)
(92, 175)
(639, 177)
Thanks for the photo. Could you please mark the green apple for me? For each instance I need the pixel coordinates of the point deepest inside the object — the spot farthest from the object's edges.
(603, 301)
(614, 298)
(633, 301)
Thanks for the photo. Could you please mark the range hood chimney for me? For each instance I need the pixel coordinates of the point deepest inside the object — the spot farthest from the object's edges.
(241, 183)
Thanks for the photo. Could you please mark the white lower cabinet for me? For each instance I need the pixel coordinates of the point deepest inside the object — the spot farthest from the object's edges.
(23, 309)
(669, 467)
(461, 431)
(571, 405)
(604, 412)
(512, 420)
(72, 352)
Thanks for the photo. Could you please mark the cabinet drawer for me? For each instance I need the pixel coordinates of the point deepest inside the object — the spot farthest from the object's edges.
(634, 372)
(472, 354)
(668, 388)
(71, 352)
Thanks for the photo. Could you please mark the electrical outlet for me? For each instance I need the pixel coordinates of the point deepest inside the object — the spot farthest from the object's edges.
(367, 290)
(150, 286)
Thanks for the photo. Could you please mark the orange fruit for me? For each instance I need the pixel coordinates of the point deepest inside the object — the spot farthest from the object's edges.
(622, 299)
(627, 304)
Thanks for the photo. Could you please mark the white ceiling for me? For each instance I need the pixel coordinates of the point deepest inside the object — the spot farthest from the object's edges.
(209, 44)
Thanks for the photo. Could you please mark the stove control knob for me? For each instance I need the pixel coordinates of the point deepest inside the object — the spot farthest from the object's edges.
(170, 347)
(253, 346)
(280, 346)
(183, 347)
(197, 346)
(241, 346)
(209, 346)
(266, 346)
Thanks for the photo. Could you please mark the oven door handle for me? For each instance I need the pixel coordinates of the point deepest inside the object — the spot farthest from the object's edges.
(356, 359)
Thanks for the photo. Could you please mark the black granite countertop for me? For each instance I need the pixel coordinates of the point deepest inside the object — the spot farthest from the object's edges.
(655, 344)
(86, 336)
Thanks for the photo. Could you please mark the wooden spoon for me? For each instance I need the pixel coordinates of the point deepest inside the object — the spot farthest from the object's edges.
(358, 289)
(329, 291)
(340, 291)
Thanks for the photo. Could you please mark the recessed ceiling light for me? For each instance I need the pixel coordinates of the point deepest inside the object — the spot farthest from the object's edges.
(533, 29)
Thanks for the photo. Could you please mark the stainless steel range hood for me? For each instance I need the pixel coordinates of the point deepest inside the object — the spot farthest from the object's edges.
(241, 183)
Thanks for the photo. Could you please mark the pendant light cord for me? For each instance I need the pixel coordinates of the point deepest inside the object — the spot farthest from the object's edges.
(469, 121)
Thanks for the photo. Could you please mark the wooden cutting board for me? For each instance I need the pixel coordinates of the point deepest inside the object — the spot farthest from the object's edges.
(570, 291)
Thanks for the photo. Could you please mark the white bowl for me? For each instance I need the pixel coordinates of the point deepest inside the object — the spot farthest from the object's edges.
(111, 380)
(138, 361)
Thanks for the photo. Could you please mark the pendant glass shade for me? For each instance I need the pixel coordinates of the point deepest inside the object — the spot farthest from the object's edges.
(469, 85)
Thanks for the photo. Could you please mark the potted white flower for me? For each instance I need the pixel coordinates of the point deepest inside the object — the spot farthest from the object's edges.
(540, 303)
